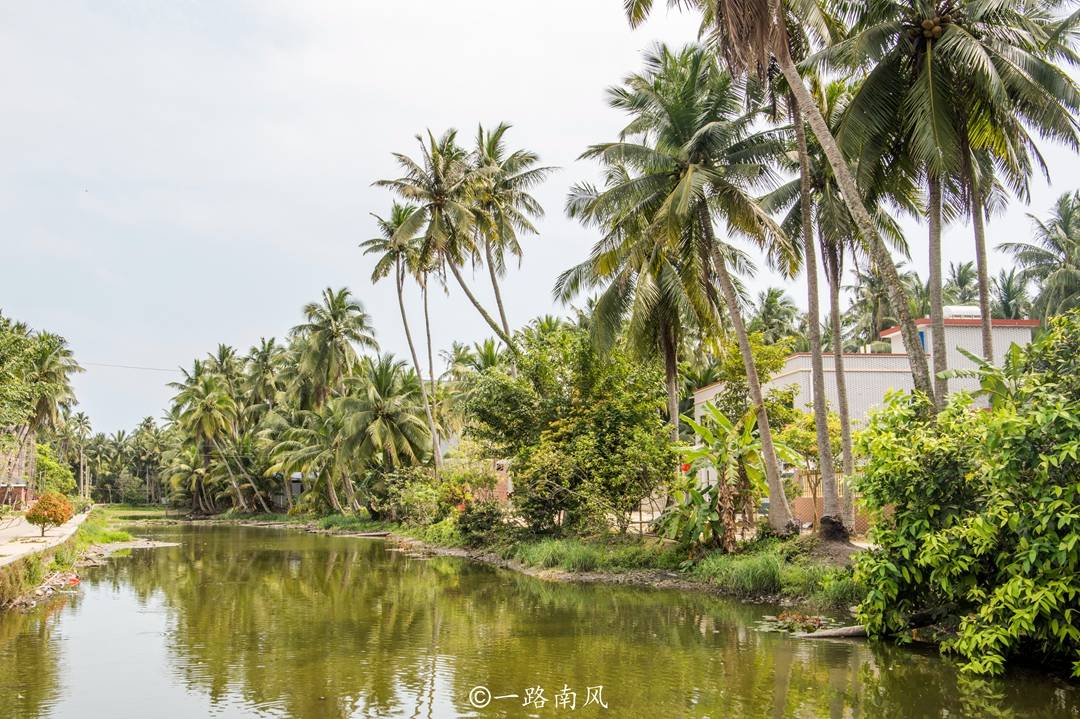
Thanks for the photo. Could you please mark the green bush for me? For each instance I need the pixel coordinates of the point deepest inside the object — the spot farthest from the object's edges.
(580, 426)
(481, 522)
(978, 513)
(444, 533)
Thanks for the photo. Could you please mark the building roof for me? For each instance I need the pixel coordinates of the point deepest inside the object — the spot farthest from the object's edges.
(963, 322)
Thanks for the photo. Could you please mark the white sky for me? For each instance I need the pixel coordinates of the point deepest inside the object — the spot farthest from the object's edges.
(180, 174)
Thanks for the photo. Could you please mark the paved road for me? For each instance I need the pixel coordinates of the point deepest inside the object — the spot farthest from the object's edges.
(23, 538)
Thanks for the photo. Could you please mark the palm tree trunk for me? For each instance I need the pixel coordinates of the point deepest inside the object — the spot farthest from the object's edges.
(831, 525)
(232, 478)
(286, 486)
(780, 518)
(427, 332)
(920, 373)
(834, 269)
(505, 337)
(332, 493)
(435, 455)
(671, 377)
(937, 315)
(495, 286)
(978, 214)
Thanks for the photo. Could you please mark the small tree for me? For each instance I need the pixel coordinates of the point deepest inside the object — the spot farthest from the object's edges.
(51, 510)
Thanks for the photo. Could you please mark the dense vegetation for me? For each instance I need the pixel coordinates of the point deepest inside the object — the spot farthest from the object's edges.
(978, 513)
(913, 109)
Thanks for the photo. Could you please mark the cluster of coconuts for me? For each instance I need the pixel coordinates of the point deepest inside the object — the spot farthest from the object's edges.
(930, 28)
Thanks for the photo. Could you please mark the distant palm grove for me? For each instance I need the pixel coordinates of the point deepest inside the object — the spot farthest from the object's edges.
(801, 132)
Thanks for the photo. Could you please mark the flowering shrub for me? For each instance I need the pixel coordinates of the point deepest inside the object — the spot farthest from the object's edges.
(51, 510)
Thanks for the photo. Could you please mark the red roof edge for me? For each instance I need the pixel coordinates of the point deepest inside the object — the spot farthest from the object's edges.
(963, 322)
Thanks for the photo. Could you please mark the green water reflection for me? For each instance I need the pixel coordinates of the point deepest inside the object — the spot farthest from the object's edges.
(250, 622)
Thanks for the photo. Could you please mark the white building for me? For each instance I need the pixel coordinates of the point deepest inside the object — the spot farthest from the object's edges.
(870, 376)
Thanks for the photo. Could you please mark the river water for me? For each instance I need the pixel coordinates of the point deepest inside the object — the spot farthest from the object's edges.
(245, 622)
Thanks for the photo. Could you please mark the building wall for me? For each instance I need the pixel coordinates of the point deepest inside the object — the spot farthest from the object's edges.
(968, 337)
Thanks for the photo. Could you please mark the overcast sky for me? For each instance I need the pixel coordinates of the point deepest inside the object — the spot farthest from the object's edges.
(179, 174)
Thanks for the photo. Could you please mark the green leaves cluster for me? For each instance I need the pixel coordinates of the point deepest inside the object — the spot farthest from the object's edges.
(978, 513)
(583, 429)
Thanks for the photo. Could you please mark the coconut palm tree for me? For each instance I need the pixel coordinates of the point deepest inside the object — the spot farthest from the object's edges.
(396, 254)
(1051, 259)
(79, 424)
(646, 289)
(48, 374)
(1011, 301)
(962, 283)
(383, 420)
(775, 315)
(263, 373)
(314, 446)
(813, 203)
(441, 185)
(331, 333)
(207, 413)
(693, 157)
(749, 35)
(502, 203)
(957, 86)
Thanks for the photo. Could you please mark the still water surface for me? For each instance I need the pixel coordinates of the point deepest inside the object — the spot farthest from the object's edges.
(242, 622)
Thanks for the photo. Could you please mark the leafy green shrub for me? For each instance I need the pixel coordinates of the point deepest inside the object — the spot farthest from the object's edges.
(444, 533)
(481, 522)
(580, 427)
(51, 474)
(978, 513)
(50, 510)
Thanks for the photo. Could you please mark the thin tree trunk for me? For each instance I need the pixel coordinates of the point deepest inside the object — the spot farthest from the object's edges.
(878, 251)
(399, 273)
(834, 270)
(505, 337)
(937, 315)
(495, 286)
(232, 478)
(671, 376)
(831, 524)
(978, 214)
(780, 518)
(332, 493)
(430, 356)
(31, 459)
(286, 486)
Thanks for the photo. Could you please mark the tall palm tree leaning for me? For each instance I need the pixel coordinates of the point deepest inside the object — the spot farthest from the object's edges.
(958, 86)
(442, 186)
(748, 36)
(831, 523)
(503, 206)
(398, 253)
(692, 156)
